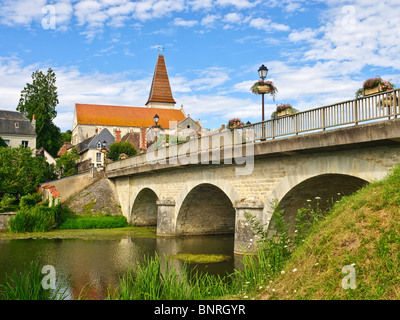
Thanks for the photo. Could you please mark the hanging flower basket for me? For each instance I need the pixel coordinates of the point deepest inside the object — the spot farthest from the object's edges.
(262, 87)
(374, 85)
(283, 110)
(235, 123)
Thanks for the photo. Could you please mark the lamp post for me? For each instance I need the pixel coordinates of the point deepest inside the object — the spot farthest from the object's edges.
(156, 118)
(262, 72)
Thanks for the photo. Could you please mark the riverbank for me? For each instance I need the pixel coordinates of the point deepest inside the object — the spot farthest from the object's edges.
(85, 234)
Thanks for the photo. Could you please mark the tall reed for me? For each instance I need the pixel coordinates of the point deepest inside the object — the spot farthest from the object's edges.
(28, 286)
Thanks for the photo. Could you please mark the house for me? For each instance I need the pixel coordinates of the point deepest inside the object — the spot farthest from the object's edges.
(90, 119)
(90, 150)
(16, 129)
(41, 152)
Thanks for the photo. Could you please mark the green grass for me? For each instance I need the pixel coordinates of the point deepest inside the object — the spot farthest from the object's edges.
(362, 229)
(35, 219)
(94, 222)
(200, 258)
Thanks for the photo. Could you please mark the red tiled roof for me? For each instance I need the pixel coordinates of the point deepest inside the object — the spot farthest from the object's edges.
(160, 88)
(106, 115)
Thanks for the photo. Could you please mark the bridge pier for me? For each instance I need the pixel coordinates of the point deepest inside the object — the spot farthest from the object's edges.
(166, 217)
(245, 238)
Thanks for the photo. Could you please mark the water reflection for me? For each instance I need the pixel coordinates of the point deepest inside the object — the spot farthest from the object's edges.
(101, 262)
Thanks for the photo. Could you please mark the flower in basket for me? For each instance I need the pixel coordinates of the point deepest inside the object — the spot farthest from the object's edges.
(383, 85)
(108, 160)
(283, 107)
(123, 156)
(235, 123)
(255, 87)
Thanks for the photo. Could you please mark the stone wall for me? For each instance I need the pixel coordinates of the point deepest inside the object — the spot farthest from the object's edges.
(72, 185)
(4, 219)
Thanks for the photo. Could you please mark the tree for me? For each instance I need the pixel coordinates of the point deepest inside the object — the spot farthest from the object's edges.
(66, 136)
(21, 173)
(65, 165)
(117, 148)
(40, 99)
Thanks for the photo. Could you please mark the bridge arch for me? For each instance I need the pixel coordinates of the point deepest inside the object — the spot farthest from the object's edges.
(335, 170)
(144, 206)
(206, 206)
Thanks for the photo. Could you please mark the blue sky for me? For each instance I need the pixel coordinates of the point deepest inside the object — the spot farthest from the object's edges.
(104, 51)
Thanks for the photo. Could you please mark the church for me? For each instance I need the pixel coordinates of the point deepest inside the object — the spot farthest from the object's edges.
(131, 123)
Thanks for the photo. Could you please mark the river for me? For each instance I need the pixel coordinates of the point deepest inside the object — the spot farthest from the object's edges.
(102, 262)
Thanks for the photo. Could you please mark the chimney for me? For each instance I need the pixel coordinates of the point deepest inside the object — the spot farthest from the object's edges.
(142, 143)
(117, 135)
(33, 122)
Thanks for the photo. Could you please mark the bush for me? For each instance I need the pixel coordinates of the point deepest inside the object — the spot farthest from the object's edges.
(35, 219)
(7, 200)
(117, 148)
(95, 222)
(30, 200)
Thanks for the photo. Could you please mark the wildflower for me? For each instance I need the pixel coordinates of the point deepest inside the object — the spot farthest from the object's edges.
(283, 272)
(294, 270)
(316, 264)
(260, 287)
(245, 297)
(353, 264)
(308, 200)
(294, 291)
(295, 231)
(317, 198)
(273, 290)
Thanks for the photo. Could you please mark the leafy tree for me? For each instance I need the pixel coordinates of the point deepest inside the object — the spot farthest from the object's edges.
(21, 173)
(40, 99)
(66, 136)
(65, 165)
(117, 148)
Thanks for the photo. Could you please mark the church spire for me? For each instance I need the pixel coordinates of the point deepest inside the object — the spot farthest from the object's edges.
(160, 92)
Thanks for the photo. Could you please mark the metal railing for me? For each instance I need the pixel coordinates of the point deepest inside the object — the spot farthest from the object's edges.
(351, 112)
(375, 107)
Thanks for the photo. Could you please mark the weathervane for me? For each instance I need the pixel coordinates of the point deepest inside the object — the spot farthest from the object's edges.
(159, 47)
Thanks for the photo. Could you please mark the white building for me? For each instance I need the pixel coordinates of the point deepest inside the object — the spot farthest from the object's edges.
(16, 129)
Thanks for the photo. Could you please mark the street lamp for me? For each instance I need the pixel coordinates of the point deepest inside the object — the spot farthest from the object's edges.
(156, 118)
(104, 143)
(262, 72)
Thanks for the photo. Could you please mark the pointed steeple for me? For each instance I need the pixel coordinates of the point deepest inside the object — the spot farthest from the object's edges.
(160, 92)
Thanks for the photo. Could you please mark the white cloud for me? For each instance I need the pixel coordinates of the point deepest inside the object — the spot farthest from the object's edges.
(267, 25)
(239, 4)
(179, 22)
(22, 12)
(209, 20)
(362, 33)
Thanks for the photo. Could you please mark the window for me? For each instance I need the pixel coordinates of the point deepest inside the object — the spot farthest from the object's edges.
(24, 144)
(98, 157)
(99, 145)
(16, 124)
(7, 142)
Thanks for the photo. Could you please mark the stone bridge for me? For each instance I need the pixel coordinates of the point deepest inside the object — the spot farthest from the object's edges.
(201, 198)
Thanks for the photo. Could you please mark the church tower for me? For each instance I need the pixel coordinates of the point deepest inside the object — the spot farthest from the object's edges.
(160, 93)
